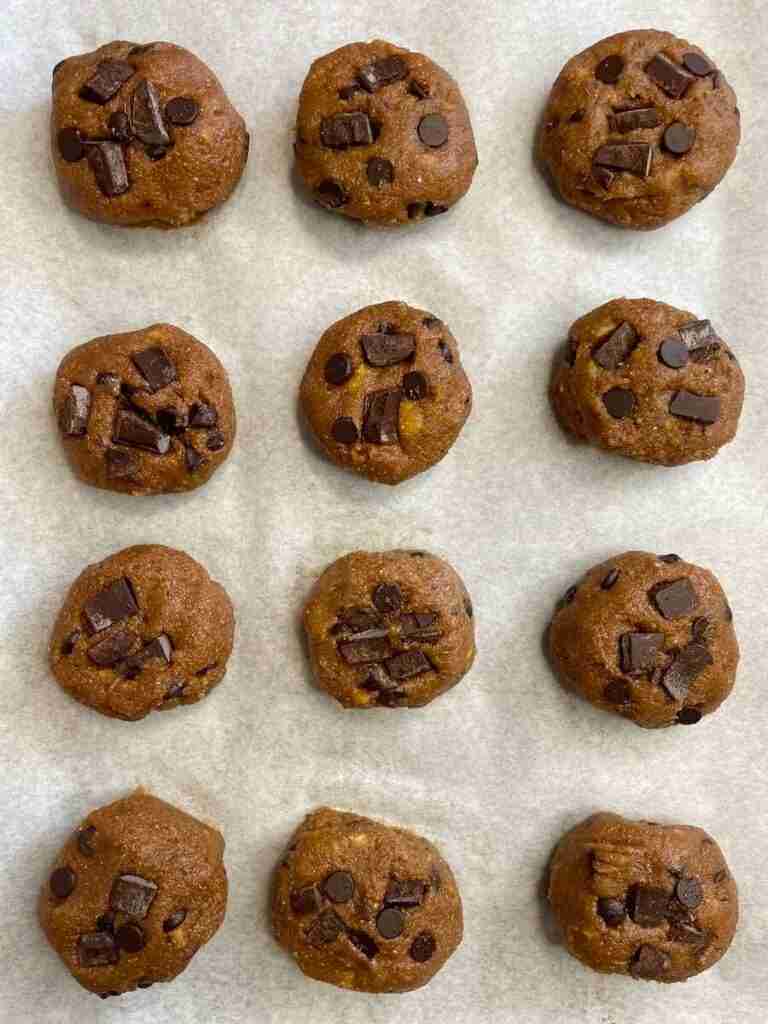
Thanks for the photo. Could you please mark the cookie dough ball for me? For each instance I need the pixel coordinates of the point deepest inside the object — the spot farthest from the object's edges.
(656, 902)
(385, 392)
(650, 381)
(648, 637)
(147, 412)
(383, 135)
(391, 629)
(134, 893)
(639, 128)
(365, 906)
(144, 135)
(145, 630)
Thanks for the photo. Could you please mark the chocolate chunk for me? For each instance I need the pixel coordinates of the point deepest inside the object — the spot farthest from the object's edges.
(70, 144)
(344, 430)
(649, 963)
(215, 441)
(674, 599)
(62, 882)
(393, 699)
(624, 121)
(193, 460)
(202, 415)
(132, 430)
(679, 138)
(155, 367)
(422, 947)
(387, 597)
(119, 125)
(338, 369)
(147, 116)
(110, 383)
(120, 464)
(106, 922)
(112, 648)
(418, 89)
(160, 647)
(112, 604)
(687, 666)
(377, 680)
(688, 716)
(73, 419)
(619, 402)
(618, 691)
(634, 157)
(697, 334)
(381, 72)
(701, 408)
(381, 416)
(670, 559)
(649, 906)
(698, 64)
(689, 892)
(132, 895)
(107, 80)
(175, 920)
(407, 893)
(673, 352)
(433, 130)
(357, 620)
(372, 645)
(670, 78)
(380, 171)
(363, 942)
(108, 165)
(175, 691)
(343, 130)
(609, 69)
(701, 630)
(616, 349)
(638, 651)
(182, 110)
(330, 194)
(421, 626)
(415, 386)
(339, 887)
(173, 421)
(130, 938)
(390, 923)
(305, 901)
(612, 911)
(68, 644)
(156, 152)
(96, 949)
(610, 580)
(325, 929)
(408, 664)
(387, 349)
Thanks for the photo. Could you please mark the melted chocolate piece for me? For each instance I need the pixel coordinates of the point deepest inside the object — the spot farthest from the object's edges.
(616, 349)
(155, 367)
(108, 165)
(344, 130)
(381, 416)
(110, 605)
(107, 81)
(386, 349)
(408, 664)
(112, 648)
(147, 116)
(120, 465)
(137, 432)
(421, 626)
(703, 409)
(633, 157)
(96, 949)
(670, 78)
(624, 121)
(73, 419)
(381, 72)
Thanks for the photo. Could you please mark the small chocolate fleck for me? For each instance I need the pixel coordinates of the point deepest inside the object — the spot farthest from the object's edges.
(348, 91)
(338, 369)
(609, 69)
(700, 630)
(418, 89)
(387, 597)
(339, 887)
(175, 920)
(688, 716)
(305, 901)
(612, 911)
(619, 402)
(68, 643)
(193, 460)
(433, 130)
(110, 383)
(120, 464)
(380, 171)
(70, 144)
(415, 386)
(445, 351)
(175, 691)
(577, 116)
(182, 110)
(674, 353)
(62, 882)
(325, 929)
(611, 579)
(670, 559)
(468, 608)
(215, 441)
(107, 80)
(703, 409)
(679, 138)
(390, 923)
(423, 947)
(616, 349)
(344, 430)
(720, 876)
(618, 691)
(106, 922)
(130, 938)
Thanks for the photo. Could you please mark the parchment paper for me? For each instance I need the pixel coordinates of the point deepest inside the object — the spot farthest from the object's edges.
(497, 769)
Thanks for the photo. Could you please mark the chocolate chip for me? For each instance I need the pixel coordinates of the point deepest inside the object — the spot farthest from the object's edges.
(120, 464)
(418, 89)
(330, 194)
(68, 644)
(106, 922)
(619, 402)
(155, 367)
(107, 80)
(687, 666)
(372, 645)
(175, 920)
(616, 349)
(422, 947)
(390, 923)
(689, 892)
(609, 69)
(147, 115)
(70, 145)
(387, 597)
(343, 130)
(668, 76)
(62, 882)
(638, 651)
(422, 625)
(119, 125)
(325, 929)
(175, 691)
(381, 72)
(433, 130)
(406, 893)
(364, 943)
(612, 911)
(670, 559)
(97, 949)
(649, 963)
(215, 441)
(408, 664)
(381, 416)
(73, 419)
(113, 648)
(112, 604)
(688, 716)
(305, 901)
(611, 579)
(133, 430)
(110, 383)
(415, 386)
(338, 369)
(143, 48)
(701, 408)
(387, 349)
(634, 157)
(130, 938)
(673, 353)
(698, 64)
(108, 165)
(182, 110)
(344, 430)
(618, 691)
(380, 171)
(445, 351)
(624, 121)
(202, 415)
(674, 599)
(339, 887)
(132, 895)
(679, 138)
(649, 905)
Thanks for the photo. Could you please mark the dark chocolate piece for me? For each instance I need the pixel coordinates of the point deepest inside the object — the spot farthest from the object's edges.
(343, 130)
(670, 78)
(108, 165)
(112, 648)
(155, 367)
(700, 408)
(137, 432)
(634, 157)
(107, 80)
(387, 349)
(381, 416)
(73, 419)
(381, 72)
(132, 895)
(147, 116)
(110, 605)
(616, 349)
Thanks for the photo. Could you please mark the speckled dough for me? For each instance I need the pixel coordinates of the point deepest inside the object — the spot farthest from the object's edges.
(590, 108)
(388, 165)
(365, 906)
(655, 902)
(429, 395)
(145, 630)
(173, 168)
(133, 895)
(391, 629)
(170, 432)
(647, 637)
(649, 381)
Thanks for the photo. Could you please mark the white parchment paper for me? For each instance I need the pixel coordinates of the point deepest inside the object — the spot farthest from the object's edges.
(498, 768)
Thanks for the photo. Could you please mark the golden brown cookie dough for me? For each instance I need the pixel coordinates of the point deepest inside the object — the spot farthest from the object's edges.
(647, 637)
(383, 135)
(655, 902)
(390, 629)
(639, 128)
(649, 381)
(385, 392)
(134, 893)
(365, 906)
(145, 412)
(145, 630)
(144, 135)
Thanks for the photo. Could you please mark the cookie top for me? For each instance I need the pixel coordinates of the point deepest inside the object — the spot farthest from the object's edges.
(639, 128)
(650, 381)
(144, 135)
(385, 392)
(146, 629)
(383, 135)
(147, 412)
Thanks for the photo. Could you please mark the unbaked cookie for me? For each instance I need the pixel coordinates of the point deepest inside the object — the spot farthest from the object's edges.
(365, 906)
(134, 894)
(383, 135)
(655, 902)
(144, 135)
(647, 637)
(385, 392)
(145, 630)
(145, 412)
(650, 381)
(392, 629)
(639, 128)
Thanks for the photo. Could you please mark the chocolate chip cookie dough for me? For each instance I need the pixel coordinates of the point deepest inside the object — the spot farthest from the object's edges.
(144, 135)
(639, 128)
(145, 630)
(365, 906)
(133, 895)
(383, 135)
(391, 629)
(385, 392)
(647, 637)
(145, 412)
(655, 902)
(650, 381)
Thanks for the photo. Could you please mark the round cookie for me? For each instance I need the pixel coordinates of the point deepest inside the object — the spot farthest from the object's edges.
(655, 902)
(145, 630)
(639, 128)
(133, 894)
(385, 393)
(647, 637)
(383, 135)
(390, 629)
(144, 135)
(147, 412)
(649, 381)
(365, 906)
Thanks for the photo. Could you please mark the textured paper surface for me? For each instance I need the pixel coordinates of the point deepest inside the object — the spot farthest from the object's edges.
(497, 769)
